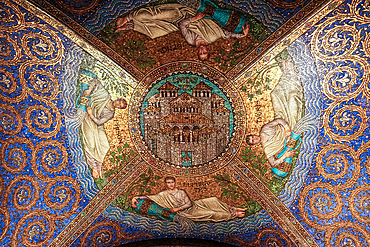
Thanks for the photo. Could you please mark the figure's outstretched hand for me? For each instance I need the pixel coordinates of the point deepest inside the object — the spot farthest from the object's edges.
(87, 92)
(246, 29)
(289, 154)
(175, 210)
(288, 132)
(134, 202)
(199, 16)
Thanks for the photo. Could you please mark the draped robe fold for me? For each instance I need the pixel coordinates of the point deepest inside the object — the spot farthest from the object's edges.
(157, 21)
(287, 101)
(208, 209)
(94, 137)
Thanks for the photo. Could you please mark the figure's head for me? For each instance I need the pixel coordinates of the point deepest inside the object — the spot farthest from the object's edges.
(120, 103)
(203, 53)
(253, 139)
(170, 182)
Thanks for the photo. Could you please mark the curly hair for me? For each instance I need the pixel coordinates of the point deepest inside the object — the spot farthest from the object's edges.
(248, 140)
(206, 58)
(169, 178)
(124, 103)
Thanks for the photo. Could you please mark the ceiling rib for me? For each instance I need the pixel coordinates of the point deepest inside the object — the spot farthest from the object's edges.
(287, 31)
(99, 203)
(272, 205)
(278, 211)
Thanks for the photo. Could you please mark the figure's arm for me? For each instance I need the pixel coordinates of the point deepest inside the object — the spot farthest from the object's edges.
(187, 203)
(189, 35)
(106, 115)
(197, 17)
(285, 125)
(279, 121)
(230, 35)
(92, 85)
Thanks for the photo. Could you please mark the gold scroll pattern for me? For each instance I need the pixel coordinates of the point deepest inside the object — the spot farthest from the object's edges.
(336, 203)
(37, 194)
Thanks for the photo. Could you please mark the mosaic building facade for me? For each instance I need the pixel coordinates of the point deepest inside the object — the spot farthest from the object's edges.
(186, 129)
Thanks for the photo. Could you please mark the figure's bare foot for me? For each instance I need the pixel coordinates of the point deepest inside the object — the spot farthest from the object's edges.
(241, 209)
(95, 173)
(121, 22)
(101, 174)
(240, 214)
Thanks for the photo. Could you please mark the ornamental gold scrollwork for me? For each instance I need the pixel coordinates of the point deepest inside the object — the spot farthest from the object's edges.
(320, 202)
(78, 7)
(359, 203)
(11, 17)
(62, 194)
(340, 83)
(9, 51)
(340, 45)
(347, 119)
(23, 191)
(265, 237)
(101, 234)
(346, 233)
(8, 83)
(366, 43)
(15, 153)
(53, 157)
(3, 211)
(361, 10)
(336, 43)
(43, 121)
(364, 157)
(43, 85)
(42, 45)
(12, 88)
(6, 221)
(1, 188)
(334, 161)
(34, 229)
(10, 120)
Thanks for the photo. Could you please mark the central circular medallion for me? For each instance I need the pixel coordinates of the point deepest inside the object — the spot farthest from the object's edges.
(183, 119)
(186, 120)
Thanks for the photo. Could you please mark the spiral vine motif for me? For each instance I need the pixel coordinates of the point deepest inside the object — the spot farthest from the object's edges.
(62, 194)
(337, 192)
(34, 229)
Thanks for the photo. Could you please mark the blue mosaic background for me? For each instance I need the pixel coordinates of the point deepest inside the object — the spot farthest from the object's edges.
(41, 189)
(333, 206)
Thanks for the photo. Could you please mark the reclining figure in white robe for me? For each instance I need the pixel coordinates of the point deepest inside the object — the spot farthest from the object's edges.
(160, 20)
(177, 201)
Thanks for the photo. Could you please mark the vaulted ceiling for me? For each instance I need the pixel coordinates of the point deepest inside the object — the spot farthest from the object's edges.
(298, 79)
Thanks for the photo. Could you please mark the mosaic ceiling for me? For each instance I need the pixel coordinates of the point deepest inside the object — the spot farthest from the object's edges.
(241, 122)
